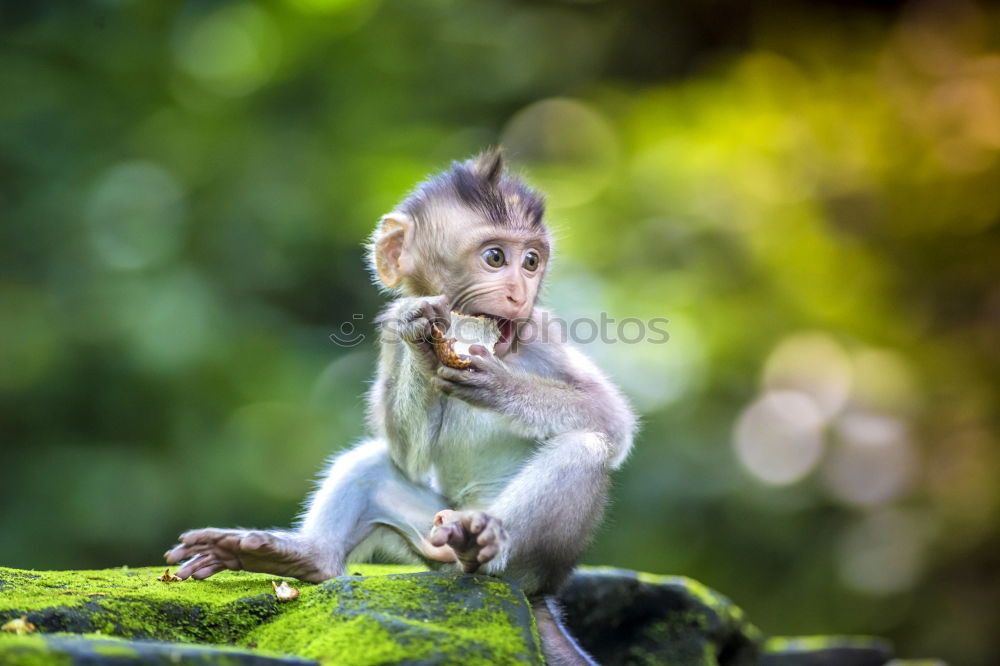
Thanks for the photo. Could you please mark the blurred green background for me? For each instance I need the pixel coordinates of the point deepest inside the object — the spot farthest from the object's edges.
(809, 192)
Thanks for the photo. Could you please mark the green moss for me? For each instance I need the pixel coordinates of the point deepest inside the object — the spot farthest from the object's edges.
(116, 651)
(30, 651)
(809, 643)
(133, 603)
(435, 618)
(623, 616)
(29, 590)
(729, 612)
(387, 613)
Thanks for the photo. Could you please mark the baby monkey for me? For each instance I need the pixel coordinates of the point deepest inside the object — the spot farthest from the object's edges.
(502, 467)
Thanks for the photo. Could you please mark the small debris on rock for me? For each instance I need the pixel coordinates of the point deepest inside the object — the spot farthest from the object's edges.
(19, 626)
(168, 577)
(284, 592)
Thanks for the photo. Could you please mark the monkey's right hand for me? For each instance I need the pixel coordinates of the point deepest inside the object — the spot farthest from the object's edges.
(414, 323)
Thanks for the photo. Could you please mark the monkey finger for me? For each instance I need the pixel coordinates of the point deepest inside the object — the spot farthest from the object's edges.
(437, 312)
(442, 308)
(460, 377)
(443, 385)
(486, 363)
(415, 331)
(452, 374)
(450, 383)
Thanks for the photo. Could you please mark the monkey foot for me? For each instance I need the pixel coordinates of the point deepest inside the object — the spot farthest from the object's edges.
(475, 537)
(209, 551)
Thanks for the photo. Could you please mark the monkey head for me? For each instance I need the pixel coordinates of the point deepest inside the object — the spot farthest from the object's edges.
(474, 234)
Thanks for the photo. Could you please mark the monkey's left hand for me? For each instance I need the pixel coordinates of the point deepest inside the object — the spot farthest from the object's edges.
(472, 537)
(486, 384)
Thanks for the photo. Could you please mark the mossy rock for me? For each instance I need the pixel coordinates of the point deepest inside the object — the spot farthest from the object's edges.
(826, 651)
(625, 617)
(71, 650)
(386, 615)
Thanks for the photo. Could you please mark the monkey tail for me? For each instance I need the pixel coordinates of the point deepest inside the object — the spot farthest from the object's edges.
(558, 646)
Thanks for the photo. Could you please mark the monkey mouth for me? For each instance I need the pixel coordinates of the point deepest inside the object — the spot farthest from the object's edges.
(507, 328)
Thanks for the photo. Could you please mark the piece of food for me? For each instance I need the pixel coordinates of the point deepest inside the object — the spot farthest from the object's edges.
(452, 346)
(19, 626)
(284, 592)
(168, 577)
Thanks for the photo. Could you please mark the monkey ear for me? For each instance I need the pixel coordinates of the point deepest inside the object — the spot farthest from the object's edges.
(489, 165)
(391, 249)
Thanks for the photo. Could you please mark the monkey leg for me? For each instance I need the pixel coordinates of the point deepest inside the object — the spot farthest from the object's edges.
(361, 490)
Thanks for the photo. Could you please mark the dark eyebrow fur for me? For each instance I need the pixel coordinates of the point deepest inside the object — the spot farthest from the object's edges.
(482, 185)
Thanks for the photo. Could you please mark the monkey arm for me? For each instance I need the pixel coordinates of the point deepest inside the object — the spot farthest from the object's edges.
(361, 491)
(576, 399)
(549, 511)
(403, 406)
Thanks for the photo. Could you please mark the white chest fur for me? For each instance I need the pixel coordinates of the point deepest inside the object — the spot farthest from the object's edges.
(475, 453)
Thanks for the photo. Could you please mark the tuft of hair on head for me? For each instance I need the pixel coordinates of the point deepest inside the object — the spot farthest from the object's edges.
(489, 165)
(483, 185)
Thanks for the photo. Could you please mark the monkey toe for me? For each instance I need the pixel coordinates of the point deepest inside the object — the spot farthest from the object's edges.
(445, 516)
(258, 543)
(449, 534)
(207, 536)
(487, 553)
(477, 521)
(209, 569)
(190, 566)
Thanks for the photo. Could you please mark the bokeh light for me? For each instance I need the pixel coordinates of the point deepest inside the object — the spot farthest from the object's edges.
(806, 193)
(778, 438)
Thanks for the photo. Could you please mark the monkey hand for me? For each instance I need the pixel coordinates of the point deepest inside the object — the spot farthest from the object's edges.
(473, 537)
(488, 383)
(414, 323)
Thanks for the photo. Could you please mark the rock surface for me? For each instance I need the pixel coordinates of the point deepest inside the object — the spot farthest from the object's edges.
(625, 617)
(386, 615)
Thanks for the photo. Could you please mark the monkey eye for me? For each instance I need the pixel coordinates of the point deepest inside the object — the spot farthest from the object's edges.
(531, 261)
(494, 257)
